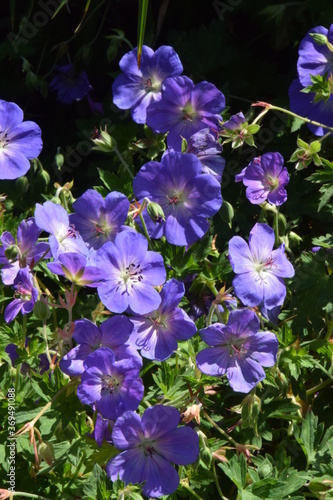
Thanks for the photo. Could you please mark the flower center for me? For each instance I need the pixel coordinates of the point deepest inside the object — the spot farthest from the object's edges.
(3, 139)
(188, 112)
(175, 198)
(22, 292)
(271, 182)
(132, 274)
(110, 383)
(237, 349)
(152, 84)
(262, 267)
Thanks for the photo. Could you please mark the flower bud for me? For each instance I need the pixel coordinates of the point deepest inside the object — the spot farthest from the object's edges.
(22, 184)
(104, 142)
(155, 212)
(46, 452)
(41, 310)
(59, 159)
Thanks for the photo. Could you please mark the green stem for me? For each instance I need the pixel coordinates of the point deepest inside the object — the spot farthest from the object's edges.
(29, 495)
(318, 387)
(46, 343)
(210, 315)
(145, 230)
(24, 330)
(276, 227)
(123, 162)
(221, 431)
(189, 489)
(290, 113)
(217, 481)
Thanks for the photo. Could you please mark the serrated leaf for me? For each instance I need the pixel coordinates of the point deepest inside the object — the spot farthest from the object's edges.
(236, 470)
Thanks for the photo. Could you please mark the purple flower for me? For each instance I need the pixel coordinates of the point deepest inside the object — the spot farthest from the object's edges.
(113, 333)
(98, 220)
(19, 141)
(156, 334)
(150, 445)
(315, 58)
(75, 268)
(102, 430)
(235, 122)
(186, 196)
(54, 219)
(304, 104)
(259, 268)
(26, 252)
(185, 109)
(26, 295)
(132, 272)
(70, 85)
(265, 178)
(205, 147)
(137, 87)
(238, 349)
(112, 386)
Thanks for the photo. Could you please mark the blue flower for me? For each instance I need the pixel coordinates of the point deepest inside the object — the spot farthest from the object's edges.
(70, 85)
(205, 147)
(26, 294)
(156, 334)
(238, 350)
(137, 87)
(109, 385)
(132, 272)
(259, 268)
(19, 141)
(151, 444)
(186, 196)
(185, 109)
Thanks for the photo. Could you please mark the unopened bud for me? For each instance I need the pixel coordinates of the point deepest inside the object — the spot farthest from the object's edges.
(41, 310)
(59, 159)
(104, 142)
(22, 184)
(155, 212)
(46, 452)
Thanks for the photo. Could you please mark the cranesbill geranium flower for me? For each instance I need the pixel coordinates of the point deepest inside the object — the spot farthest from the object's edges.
(132, 272)
(186, 196)
(185, 109)
(238, 349)
(111, 386)
(315, 58)
(265, 178)
(156, 334)
(76, 268)
(113, 333)
(25, 251)
(259, 268)
(98, 220)
(26, 294)
(137, 87)
(19, 141)
(54, 219)
(151, 444)
(205, 147)
(70, 85)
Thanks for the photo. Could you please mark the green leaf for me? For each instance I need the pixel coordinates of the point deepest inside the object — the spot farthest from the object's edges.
(309, 436)
(236, 470)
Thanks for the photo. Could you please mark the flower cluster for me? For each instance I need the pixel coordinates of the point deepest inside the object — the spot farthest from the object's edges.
(311, 95)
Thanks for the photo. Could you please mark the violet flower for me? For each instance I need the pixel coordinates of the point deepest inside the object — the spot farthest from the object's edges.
(156, 334)
(76, 268)
(137, 87)
(259, 268)
(70, 85)
(19, 141)
(315, 58)
(109, 385)
(113, 333)
(186, 196)
(265, 178)
(132, 272)
(150, 445)
(205, 147)
(238, 350)
(102, 430)
(26, 250)
(98, 220)
(185, 109)
(26, 295)
(54, 219)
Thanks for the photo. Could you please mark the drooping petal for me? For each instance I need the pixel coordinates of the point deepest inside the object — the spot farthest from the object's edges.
(180, 446)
